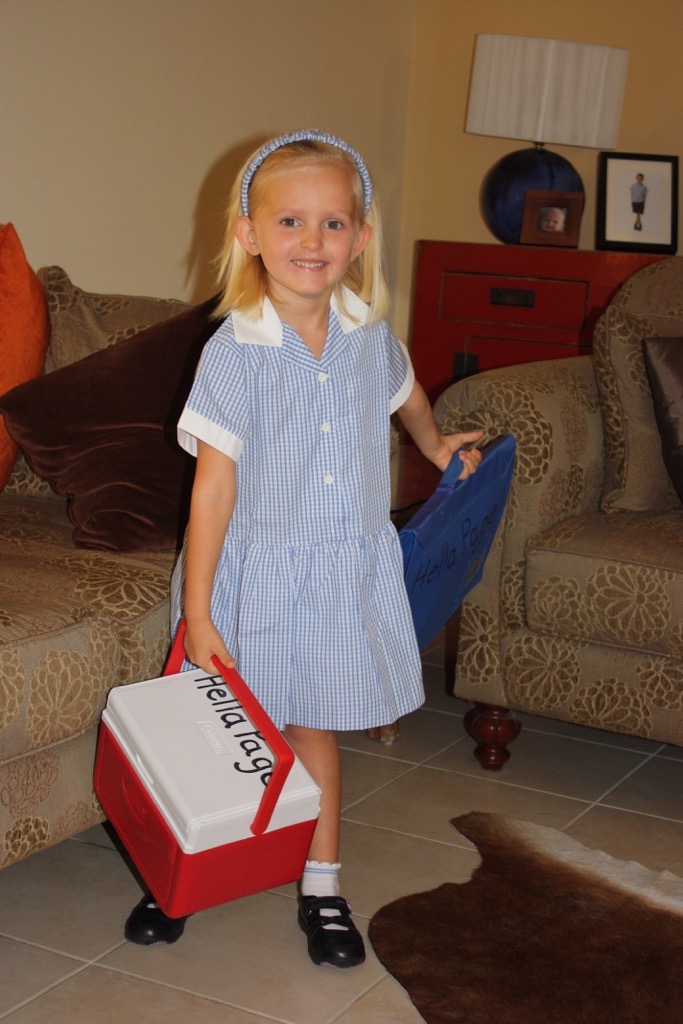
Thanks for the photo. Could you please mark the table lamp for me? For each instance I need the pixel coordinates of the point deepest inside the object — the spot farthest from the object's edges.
(540, 90)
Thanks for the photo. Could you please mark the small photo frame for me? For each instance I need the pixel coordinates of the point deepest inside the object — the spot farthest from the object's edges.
(637, 207)
(551, 218)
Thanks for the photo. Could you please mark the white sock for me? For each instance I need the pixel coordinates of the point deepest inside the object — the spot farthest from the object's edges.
(321, 879)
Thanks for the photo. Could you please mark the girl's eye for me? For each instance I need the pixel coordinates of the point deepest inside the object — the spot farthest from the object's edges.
(288, 222)
(335, 225)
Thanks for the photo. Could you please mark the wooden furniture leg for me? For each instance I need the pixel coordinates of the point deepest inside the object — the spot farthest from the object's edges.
(493, 729)
(384, 733)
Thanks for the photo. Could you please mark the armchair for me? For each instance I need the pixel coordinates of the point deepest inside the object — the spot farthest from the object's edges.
(579, 615)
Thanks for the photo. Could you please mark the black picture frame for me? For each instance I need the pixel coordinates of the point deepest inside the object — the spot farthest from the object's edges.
(538, 228)
(616, 214)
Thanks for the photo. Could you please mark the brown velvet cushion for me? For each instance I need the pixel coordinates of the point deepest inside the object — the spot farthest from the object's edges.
(664, 363)
(101, 431)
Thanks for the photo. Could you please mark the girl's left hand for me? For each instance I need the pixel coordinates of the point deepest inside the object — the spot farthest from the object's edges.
(470, 458)
(470, 461)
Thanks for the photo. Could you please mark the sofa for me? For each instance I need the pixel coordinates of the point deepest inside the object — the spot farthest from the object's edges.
(579, 614)
(93, 503)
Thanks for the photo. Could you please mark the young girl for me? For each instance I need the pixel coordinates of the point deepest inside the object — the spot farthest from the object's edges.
(292, 570)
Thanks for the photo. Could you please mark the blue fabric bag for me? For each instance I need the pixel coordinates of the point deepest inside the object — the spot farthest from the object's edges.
(445, 544)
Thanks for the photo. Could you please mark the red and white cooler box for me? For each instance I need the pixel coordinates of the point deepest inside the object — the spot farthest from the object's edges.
(209, 800)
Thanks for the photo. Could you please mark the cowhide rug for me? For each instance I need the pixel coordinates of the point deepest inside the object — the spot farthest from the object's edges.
(545, 932)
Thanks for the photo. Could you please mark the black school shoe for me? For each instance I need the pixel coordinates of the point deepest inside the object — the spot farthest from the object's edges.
(149, 926)
(330, 947)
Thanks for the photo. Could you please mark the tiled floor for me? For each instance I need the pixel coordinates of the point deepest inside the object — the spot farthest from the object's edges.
(62, 953)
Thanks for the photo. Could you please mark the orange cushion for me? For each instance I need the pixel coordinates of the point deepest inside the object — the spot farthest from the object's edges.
(24, 331)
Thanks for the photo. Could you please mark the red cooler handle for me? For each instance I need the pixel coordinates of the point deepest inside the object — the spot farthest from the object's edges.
(283, 755)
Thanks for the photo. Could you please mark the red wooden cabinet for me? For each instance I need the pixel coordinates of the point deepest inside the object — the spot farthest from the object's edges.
(477, 306)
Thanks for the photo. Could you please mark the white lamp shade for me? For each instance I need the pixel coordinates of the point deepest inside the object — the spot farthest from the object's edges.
(547, 90)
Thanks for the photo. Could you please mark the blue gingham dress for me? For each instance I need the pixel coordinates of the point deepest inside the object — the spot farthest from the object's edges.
(309, 594)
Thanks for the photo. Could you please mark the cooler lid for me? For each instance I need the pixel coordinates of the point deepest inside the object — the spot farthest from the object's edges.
(201, 758)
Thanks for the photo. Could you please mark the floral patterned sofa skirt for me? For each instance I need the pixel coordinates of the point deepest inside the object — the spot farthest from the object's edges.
(579, 615)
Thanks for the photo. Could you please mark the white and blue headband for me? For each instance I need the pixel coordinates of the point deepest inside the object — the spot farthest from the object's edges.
(305, 135)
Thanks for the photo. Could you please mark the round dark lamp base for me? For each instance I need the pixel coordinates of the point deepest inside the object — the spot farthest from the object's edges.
(507, 183)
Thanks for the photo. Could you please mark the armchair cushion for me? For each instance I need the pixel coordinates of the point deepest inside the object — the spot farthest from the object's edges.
(614, 580)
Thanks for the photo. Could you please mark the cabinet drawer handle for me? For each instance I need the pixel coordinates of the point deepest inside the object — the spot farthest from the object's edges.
(513, 297)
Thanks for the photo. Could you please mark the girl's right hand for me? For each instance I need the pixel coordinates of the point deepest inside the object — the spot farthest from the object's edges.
(202, 643)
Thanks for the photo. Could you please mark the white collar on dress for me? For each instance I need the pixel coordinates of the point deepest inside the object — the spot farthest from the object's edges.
(267, 330)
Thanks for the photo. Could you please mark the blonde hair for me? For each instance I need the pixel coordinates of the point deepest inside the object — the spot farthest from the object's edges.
(242, 278)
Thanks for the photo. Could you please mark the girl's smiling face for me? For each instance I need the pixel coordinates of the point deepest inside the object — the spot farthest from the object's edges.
(305, 228)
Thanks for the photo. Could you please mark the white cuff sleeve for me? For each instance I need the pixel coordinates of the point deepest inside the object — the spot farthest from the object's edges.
(192, 428)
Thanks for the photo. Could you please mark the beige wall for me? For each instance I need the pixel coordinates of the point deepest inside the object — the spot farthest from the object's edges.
(445, 166)
(123, 121)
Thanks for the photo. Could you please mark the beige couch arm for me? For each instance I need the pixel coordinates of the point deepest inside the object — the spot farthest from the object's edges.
(552, 409)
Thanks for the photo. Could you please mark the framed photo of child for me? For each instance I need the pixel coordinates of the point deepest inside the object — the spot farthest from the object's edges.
(637, 203)
(551, 218)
